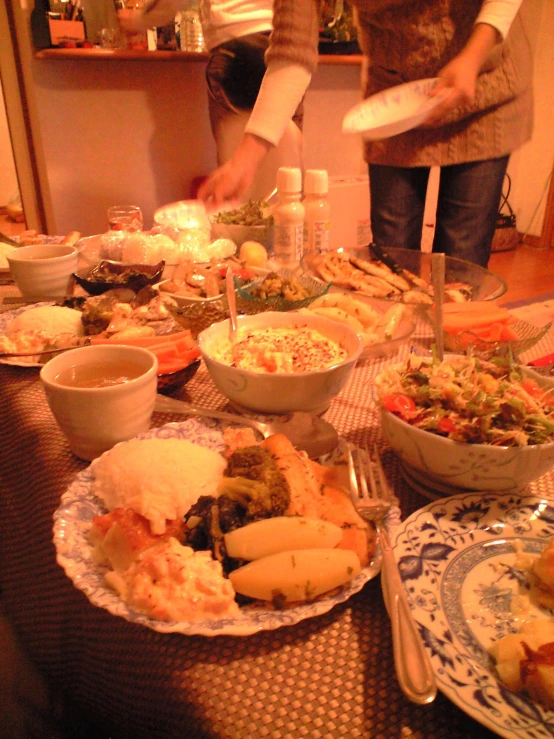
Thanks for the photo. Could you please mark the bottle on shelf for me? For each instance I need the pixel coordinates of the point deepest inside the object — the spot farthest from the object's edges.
(288, 217)
(317, 212)
(191, 34)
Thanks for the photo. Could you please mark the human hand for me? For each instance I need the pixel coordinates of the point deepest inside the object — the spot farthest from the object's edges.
(457, 80)
(455, 88)
(232, 179)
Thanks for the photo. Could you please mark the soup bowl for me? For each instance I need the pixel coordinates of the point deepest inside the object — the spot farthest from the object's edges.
(43, 271)
(101, 395)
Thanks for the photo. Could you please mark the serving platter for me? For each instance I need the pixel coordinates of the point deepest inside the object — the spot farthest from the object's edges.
(74, 553)
(458, 561)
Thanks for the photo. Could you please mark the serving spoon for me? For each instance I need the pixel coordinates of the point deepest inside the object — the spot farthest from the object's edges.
(306, 432)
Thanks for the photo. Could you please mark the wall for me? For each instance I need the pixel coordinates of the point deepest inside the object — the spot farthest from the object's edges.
(8, 175)
(531, 166)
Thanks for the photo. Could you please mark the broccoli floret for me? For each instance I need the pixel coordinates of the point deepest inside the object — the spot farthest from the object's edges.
(253, 479)
(259, 498)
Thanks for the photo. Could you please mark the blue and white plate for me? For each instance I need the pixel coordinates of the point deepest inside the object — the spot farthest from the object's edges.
(74, 553)
(457, 558)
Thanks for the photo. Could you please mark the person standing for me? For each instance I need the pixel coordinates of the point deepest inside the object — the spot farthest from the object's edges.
(481, 54)
(236, 34)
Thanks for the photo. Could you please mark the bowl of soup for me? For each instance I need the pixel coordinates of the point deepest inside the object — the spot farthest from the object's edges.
(101, 395)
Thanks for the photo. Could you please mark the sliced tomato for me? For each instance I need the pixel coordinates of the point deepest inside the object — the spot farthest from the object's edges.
(398, 403)
(446, 425)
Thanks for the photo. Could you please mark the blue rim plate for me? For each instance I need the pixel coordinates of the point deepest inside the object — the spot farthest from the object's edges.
(75, 555)
(457, 559)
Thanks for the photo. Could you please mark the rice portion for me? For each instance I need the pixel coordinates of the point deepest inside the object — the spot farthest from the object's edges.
(158, 478)
(52, 320)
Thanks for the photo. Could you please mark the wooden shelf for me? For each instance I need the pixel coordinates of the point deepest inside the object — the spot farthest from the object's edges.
(119, 55)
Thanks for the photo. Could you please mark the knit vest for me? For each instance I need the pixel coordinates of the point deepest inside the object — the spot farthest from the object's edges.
(406, 40)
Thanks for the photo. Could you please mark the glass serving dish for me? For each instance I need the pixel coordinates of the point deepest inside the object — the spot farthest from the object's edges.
(479, 283)
(528, 336)
(248, 303)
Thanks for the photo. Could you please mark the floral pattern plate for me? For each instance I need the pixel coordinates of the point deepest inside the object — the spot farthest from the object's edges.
(74, 554)
(457, 560)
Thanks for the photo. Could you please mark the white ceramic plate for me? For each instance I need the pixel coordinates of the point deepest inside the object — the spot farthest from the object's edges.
(74, 554)
(392, 111)
(449, 554)
(5, 319)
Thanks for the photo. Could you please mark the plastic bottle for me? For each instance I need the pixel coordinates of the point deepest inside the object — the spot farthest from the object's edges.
(192, 37)
(288, 217)
(317, 209)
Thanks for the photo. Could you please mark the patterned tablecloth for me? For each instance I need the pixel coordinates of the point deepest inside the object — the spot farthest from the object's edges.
(330, 676)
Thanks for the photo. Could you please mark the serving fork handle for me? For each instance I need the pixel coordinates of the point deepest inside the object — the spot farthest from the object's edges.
(413, 666)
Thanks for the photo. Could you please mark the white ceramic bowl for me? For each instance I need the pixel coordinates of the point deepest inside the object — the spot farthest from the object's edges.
(43, 271)
(477, 467)
(280, 392)
(93, 419)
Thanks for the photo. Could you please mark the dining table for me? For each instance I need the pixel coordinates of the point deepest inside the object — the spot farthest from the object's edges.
(328, 676)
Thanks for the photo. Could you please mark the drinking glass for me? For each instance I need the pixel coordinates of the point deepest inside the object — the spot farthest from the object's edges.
(125, 218)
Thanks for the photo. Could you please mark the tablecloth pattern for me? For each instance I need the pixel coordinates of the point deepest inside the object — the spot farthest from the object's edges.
(332, 676)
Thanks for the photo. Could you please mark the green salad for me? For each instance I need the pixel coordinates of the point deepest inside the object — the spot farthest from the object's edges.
(469, 399)
(252, 213)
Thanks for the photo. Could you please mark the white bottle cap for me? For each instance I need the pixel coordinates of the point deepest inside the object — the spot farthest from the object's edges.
(317, 182)
(289, 179)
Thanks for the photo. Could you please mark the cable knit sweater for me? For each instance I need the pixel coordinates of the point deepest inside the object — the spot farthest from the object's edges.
(405, 40)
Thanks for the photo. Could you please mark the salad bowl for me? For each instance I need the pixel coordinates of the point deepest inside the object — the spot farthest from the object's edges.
(446, 464)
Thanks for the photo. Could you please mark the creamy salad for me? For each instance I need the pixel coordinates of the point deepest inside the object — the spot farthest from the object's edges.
(294, 349)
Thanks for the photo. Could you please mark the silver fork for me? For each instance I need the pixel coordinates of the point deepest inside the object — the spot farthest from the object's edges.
(372, 497)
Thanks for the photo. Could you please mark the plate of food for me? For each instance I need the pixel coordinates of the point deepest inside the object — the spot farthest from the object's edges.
(250, 578)
(392, 111)
(43, 328)
(479, 585)
(402, 275)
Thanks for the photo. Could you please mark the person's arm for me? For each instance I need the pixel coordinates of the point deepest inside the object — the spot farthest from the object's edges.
(291, 60)
(458, 78)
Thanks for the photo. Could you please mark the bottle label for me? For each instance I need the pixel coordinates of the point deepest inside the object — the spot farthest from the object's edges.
(287, 242)
(316, 236)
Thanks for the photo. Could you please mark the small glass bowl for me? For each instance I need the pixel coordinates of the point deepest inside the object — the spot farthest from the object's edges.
(250, 304)
(528, 334)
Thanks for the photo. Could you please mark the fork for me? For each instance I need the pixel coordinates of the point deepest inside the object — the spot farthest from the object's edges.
(373, 499)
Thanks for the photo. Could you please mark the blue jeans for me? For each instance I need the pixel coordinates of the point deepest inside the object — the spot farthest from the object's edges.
(467, 208)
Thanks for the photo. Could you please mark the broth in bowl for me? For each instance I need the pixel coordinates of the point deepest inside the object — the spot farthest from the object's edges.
(98, 374)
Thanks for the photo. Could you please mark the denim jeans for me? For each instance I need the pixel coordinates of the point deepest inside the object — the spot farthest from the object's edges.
(467, 207)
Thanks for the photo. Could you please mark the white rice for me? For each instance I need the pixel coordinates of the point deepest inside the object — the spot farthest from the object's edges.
(51, 319)
(158, 478)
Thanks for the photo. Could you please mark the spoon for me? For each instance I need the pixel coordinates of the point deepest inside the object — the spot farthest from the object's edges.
(231, 298)
(306, 432)
(437, 275)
